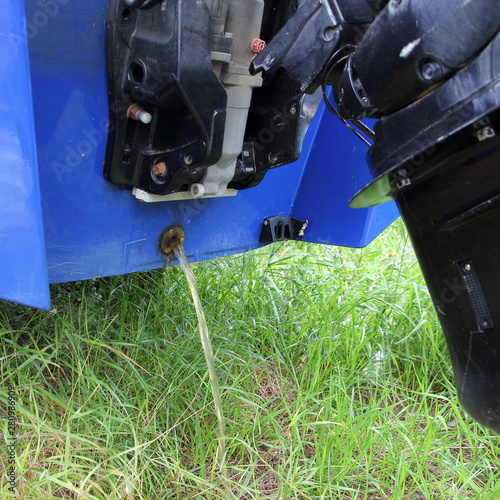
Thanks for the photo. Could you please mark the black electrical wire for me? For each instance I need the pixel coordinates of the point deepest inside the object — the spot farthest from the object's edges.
(332, 63)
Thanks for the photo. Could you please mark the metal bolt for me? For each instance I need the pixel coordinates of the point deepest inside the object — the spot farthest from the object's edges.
(160, 169)
(137, 113)
(329, 33)
(483, 122)
(431, 70)
(403, 183)
(485, 133)
(187, 159)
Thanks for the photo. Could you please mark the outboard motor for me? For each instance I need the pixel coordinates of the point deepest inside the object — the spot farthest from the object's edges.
(429, 71)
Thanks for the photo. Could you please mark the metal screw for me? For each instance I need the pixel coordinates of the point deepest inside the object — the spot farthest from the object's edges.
(187, 159)
(403, 183)
(485, 133)
(160, 169)
(431, 71)
(329, 33)
(137, 113)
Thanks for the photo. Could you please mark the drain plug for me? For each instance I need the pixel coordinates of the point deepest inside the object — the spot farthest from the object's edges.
(171, 237)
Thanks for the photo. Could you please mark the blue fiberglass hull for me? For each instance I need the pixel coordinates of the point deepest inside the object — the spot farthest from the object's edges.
(62, 221)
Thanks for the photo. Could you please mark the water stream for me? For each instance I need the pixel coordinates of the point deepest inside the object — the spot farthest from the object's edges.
(207, 349)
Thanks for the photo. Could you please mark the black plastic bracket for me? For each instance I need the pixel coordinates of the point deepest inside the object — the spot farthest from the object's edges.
(167, 106)
(308, 39)
(282, 228)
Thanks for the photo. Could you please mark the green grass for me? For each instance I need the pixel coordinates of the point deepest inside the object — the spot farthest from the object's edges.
(335, 380)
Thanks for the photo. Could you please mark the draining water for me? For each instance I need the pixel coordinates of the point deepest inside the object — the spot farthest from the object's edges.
(178, 249)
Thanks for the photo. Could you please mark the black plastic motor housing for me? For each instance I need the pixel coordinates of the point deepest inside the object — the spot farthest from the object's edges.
(411, 47)
(439, 158)
(453, 218)
(159, 61)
